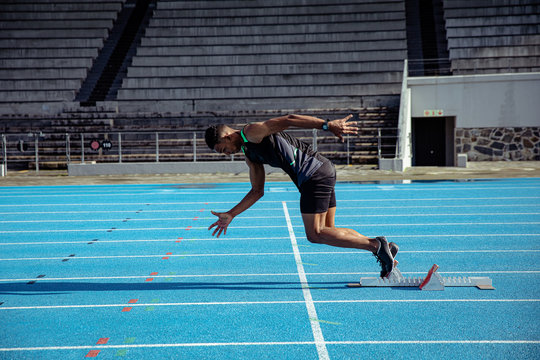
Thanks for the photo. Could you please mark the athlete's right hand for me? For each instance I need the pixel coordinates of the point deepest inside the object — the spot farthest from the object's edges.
(340, 127)
(224, 219)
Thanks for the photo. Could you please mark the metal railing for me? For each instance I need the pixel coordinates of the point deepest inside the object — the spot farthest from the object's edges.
(429, 67)
(29, 150)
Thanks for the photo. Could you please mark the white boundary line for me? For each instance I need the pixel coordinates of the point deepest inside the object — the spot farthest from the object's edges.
(276, 302)
(274, 343)
(313, 319)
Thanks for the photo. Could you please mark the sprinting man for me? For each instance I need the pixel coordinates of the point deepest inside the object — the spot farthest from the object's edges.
(313, 174)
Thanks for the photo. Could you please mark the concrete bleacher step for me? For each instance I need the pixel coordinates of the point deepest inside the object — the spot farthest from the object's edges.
(250, 39)
(275, 58)
(503, 63)
(51, 43)
(162, 19)
(485, 10)
(245, 92)
(265, 69)
(511, 40)
(256, 104)
(57, 53)
(205, 4)
(52, 6)
(180, 9)
(532, 29)
(45, 84)
(278, 30)
(53, 33)
(272, 48)
(35, 95)
(55, 15)
(259, 80)
(42, 74)
(497, 52)
(57, 24)
(525, 19)
(60, 63)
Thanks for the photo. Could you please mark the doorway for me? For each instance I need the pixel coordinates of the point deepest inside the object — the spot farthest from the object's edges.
(433, 141)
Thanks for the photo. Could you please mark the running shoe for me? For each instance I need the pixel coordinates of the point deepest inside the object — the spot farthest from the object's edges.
(384, 257)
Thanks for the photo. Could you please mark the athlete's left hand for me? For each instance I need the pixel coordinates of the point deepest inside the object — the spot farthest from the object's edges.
(224, 219)
(340, 127)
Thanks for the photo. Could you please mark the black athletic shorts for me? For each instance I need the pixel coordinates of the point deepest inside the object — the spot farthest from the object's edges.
(317, 194)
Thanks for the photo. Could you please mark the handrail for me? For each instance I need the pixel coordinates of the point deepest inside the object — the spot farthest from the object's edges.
(143, 145)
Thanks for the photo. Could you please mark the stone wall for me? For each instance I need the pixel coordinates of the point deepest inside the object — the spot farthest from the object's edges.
(495, 144)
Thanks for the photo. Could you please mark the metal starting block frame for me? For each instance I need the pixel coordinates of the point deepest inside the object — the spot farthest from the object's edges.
(433, 281)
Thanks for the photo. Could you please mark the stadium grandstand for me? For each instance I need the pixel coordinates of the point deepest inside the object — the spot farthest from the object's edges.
(135, 81)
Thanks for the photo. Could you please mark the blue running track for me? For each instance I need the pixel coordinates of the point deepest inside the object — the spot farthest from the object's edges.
(131, 272)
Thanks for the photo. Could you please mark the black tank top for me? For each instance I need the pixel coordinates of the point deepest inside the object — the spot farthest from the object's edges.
(284, 151)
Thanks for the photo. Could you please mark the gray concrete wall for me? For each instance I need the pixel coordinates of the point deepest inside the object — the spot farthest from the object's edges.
(498, 100)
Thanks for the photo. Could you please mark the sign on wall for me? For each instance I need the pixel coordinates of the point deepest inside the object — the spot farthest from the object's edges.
(430, 113)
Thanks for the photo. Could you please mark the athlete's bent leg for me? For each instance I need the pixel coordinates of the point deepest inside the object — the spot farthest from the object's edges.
(318, 232)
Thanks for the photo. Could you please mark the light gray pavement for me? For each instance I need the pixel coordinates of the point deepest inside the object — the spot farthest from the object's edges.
(474, 170)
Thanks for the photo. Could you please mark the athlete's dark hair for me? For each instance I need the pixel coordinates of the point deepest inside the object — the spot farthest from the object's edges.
(212, 135)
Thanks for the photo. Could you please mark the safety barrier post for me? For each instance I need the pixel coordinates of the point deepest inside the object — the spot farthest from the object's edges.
(36, 151)
(119, 147)
(4, 156)
(157, 147)
(194, 146)
(348, 153)
(82, 148)
(68, 149)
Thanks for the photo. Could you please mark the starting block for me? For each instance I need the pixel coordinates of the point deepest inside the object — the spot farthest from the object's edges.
(432, 281)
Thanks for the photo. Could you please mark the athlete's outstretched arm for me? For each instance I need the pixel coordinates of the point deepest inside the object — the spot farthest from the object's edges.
(257, 131)
(257, 178)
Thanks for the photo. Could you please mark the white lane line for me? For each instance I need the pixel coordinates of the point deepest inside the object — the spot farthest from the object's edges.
(274, 343)
(314, 320)
(130, 277)
(426, 342)
(254, 217)
(148, 256)
(108, 205)
(462, 235)
(180, 192)
(89, 211)
(276, 302)
(104, 242)
(271, 226)
(512, 251)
